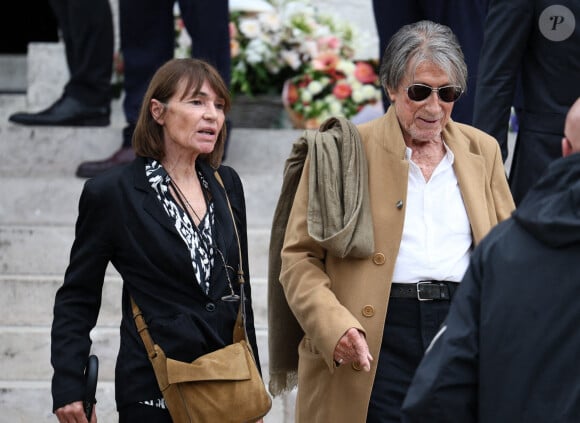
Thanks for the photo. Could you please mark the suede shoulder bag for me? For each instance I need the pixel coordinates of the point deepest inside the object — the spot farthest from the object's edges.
(222, 386)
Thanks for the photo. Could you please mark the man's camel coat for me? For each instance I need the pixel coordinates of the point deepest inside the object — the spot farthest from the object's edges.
(329, 295)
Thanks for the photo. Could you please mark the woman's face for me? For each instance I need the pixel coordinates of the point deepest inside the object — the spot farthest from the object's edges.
(422, 120)
(191, 125)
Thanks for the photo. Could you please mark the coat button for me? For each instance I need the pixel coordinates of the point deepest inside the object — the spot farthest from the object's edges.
(356, 366)
(368, 311)
(210, 307)
(399, 204)
(379, 258)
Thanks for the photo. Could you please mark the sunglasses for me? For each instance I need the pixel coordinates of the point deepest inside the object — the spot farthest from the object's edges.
(448, 93)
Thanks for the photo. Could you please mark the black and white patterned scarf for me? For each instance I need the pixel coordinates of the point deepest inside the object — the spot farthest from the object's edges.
(199, 240)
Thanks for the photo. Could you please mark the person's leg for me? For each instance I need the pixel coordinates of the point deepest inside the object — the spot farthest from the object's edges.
(534, 151)
(390, 16)
(401, 351)
(466, 19)
(207, 23)
(87, 32)
(147, 42)
(88, 35)
(409, 329)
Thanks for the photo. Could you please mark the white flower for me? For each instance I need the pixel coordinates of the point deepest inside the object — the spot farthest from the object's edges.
(346, 66)
(334, 105)
(256, 51)
(306, 96)
(270, 21)
(250, 27)
(291, 58)
(314, 87)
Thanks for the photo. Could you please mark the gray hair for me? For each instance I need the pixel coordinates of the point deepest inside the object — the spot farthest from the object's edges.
(423, 41)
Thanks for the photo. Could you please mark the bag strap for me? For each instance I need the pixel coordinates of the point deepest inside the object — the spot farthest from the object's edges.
(143, 329)
(240, 327)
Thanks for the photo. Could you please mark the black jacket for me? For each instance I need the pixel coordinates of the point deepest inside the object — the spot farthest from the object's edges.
(509, 348)
(122, 222)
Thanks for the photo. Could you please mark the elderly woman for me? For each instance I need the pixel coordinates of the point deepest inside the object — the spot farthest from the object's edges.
(163, 222)
(435, 189)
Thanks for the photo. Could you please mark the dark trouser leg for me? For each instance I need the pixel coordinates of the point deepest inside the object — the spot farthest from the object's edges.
(410, 327)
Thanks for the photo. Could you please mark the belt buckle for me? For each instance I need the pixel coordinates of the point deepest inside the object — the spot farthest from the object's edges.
(419, 291)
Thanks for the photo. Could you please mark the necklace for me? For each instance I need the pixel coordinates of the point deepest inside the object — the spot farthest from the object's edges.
(185, 202)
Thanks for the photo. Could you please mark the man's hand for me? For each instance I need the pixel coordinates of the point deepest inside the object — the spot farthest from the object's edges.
(352, 347)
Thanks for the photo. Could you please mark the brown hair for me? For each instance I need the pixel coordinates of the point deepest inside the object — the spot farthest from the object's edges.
(148, 137)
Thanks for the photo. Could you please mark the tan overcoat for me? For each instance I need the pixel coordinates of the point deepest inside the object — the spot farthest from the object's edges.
(329, 295)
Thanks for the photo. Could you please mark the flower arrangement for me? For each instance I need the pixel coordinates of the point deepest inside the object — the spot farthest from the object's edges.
(331, 86)
(269, 47)
(289, 47)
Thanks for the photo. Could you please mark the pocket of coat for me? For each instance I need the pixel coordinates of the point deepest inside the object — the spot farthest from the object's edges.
(307, 347)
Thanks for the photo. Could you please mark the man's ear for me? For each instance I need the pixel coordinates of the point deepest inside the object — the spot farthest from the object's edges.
(566, 147)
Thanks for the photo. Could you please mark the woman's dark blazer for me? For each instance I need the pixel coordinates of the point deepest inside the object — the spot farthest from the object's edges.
(122, 222)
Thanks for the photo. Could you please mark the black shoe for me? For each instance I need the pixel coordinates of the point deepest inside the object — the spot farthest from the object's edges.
(90, 169)
(66, 111)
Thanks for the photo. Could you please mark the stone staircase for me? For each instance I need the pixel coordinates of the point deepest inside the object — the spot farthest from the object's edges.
(38, 208)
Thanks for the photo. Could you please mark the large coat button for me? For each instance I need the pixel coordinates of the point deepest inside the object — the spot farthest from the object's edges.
(210, 307)
(368, 311)
(379, 258)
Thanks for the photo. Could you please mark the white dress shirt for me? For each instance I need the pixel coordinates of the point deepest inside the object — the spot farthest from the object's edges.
(437, 239)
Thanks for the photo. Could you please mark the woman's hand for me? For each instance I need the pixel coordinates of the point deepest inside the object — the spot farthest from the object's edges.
(352, 347)
(74, 413)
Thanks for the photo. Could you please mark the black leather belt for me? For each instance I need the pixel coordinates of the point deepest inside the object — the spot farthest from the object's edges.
(424, 290)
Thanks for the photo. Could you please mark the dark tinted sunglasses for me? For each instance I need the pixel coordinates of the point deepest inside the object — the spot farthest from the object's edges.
(448, 93)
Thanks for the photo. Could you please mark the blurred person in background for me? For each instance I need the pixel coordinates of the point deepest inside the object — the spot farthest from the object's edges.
(464, 17)
(147, 41)
(536, 44)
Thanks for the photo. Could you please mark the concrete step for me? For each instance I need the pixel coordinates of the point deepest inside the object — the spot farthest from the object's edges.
(28, 300)
(13, 70)
(53, 200)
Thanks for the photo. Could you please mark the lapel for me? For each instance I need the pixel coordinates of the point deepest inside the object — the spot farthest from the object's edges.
(388, 178)
(151, 204)
(470, 171)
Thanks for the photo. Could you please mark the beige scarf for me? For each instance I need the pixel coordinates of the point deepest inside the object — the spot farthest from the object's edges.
(339, 220)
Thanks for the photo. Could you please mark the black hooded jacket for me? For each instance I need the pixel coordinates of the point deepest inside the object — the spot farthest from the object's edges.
(509, 349)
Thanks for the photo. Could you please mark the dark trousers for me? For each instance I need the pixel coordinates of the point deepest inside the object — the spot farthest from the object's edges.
(148, 41)
(88, 35)
(410, 326)
(465, 18)
(140, 413)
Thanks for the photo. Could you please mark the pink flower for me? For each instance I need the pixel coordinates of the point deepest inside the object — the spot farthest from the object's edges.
(365, 73)
(342, 90)
(330, 42)
(325, 61)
